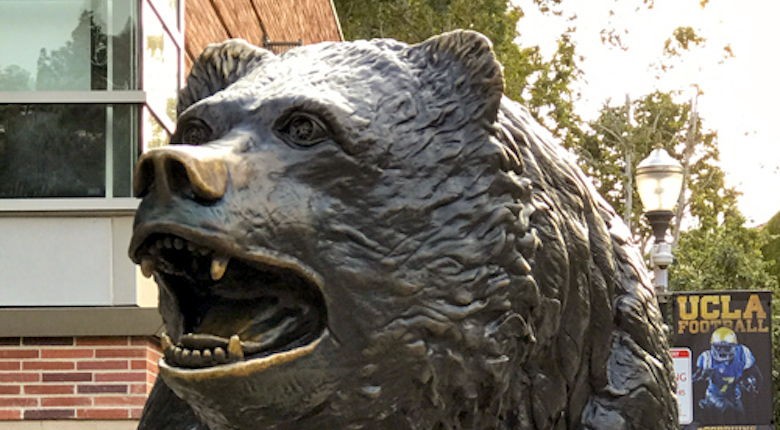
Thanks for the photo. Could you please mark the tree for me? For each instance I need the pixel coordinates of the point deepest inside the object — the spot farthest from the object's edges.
(771, 250)
(14, 78)
(80, 64)
(726, 256)
(771, 253)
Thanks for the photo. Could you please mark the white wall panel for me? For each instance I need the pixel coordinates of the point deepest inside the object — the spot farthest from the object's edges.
(56, 261)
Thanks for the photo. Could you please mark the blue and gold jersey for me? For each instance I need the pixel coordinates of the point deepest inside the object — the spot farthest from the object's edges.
(724, 375)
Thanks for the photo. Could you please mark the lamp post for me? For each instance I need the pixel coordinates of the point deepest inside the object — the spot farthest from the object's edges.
(659, 179)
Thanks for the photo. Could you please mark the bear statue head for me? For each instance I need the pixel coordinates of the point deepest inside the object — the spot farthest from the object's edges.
(369, 235)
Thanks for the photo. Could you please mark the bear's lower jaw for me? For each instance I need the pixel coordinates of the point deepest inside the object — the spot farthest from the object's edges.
(198, 351)
(261, 392)
(239, 367)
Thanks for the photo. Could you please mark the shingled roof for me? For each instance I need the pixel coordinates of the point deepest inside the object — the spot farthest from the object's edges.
(211, 21)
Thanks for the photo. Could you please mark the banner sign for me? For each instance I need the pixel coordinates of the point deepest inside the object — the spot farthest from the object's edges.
(729, 337)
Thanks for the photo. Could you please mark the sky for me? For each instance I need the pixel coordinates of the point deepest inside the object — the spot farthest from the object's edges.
(741, 99)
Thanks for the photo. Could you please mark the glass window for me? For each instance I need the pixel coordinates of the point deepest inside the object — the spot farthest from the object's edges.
(80, 134)
(67, 150)
(67, 147)
(68, 45)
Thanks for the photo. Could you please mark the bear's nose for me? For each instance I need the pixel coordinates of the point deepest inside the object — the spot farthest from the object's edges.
(190, 171)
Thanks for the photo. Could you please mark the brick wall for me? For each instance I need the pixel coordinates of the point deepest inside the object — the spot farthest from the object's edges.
(90, 378)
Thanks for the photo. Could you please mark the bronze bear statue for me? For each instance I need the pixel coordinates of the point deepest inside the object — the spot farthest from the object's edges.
(369, 235)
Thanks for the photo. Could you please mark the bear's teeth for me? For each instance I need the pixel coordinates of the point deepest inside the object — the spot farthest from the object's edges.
(219, 355)
(165, 341)
(234, 348)
(147, 266)
(219, 266)
(199, 350)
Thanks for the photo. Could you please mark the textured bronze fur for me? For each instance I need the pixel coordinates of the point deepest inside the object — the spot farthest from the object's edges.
(473, 277)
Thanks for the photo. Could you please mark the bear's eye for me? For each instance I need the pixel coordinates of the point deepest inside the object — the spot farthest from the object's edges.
(304, 129)
(193, 133)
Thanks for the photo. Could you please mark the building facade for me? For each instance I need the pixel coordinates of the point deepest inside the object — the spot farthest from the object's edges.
(85, 87)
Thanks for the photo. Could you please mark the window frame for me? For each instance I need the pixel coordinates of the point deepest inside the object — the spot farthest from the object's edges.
(73, 97)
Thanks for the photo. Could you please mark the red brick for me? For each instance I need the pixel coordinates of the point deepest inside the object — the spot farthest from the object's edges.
(120, 353)
(105, 388)
(10, 365)
(150, 378)
(63, 377)
(48, 365)
(19, 353)
(153, 355)
(10, 341)
(103, 365)
(103, 341)
(18, 402)
(120, 401)
(60, 341)
(138, 389)
(48, 414)
(10, 414)
(151, 342)
(53, 402)
(49, 389)
(67, 353)
(135, 414)
(138, 364)
(139, 341)
(20, 377)
(9, 389)
(121, 377)
(103, 414)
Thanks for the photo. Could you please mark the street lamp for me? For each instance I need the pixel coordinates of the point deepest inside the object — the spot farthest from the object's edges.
(659, 179)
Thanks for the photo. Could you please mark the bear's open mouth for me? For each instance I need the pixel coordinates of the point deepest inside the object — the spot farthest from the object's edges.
(231, 309)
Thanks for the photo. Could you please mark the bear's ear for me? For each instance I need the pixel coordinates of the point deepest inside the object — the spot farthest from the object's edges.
(219, 66)
(464, 59)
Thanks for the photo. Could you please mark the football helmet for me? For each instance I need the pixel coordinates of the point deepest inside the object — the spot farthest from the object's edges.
(723, 344)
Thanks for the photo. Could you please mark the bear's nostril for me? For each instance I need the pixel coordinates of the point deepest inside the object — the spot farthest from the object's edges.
(190, 172)
(143, 178)
(177, 178)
